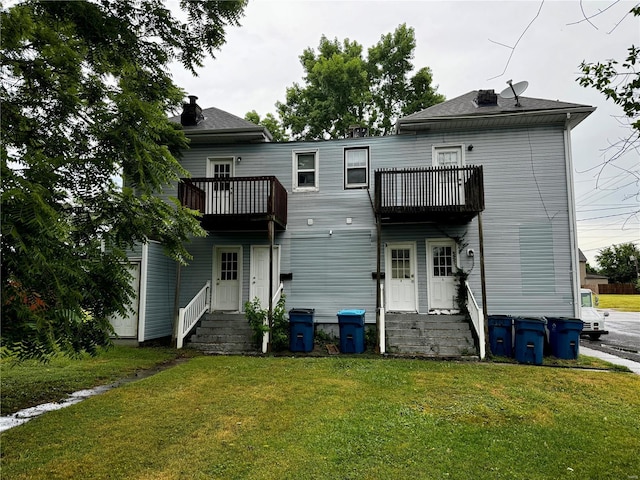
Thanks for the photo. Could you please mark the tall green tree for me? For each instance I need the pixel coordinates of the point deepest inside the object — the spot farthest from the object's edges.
(342, 88)
(615, 262)
(85, 92)
(271, 123)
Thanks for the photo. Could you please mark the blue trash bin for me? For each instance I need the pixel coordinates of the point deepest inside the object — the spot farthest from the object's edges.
(501, 335)
(301, 329)
(351, 324)
(529, 342)
(564, 336)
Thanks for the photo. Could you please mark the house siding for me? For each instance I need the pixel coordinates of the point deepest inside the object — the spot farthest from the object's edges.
(525, 224)
(160, 292)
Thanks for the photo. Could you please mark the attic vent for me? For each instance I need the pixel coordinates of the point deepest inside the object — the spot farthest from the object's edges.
(486, 98)
(191, 112)
(356, 132)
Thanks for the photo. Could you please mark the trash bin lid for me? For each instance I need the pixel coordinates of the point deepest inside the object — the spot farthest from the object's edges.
(563, 320)
(302, 311)
(352, 313)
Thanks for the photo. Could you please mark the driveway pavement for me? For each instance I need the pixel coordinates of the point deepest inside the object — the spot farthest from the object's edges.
(622, 345)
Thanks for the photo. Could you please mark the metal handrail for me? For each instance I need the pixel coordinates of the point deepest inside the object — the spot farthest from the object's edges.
(457, 189)
(235, 196)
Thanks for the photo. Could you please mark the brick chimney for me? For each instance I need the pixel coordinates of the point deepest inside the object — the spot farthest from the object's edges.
(191, 112)
(486, 98)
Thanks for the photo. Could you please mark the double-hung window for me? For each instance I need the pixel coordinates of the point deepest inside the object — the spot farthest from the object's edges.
(356, 167)
(305, 171)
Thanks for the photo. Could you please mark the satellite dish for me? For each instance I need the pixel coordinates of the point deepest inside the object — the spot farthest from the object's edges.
(514, 90)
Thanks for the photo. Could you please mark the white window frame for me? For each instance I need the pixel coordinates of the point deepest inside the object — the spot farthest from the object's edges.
(294, 160)
(348, 185)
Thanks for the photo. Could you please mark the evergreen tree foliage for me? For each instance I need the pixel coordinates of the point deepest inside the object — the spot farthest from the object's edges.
(85, 93)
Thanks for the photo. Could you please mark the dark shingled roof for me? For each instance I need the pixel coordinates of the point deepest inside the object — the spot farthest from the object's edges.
(581, 256)
(464, 105)
(216, 119)
(219, 126)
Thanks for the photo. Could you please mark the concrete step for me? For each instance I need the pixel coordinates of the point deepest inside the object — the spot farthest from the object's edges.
(224, 348)
(432, 351)
(223, 333)
(223, 330)
(217, 338)
(429, 335)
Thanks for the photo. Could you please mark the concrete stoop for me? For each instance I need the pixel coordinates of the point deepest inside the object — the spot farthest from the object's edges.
(437, 336)
(223, 333)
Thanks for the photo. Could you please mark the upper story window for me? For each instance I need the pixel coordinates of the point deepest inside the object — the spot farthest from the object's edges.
(305, 171)
(356, 167)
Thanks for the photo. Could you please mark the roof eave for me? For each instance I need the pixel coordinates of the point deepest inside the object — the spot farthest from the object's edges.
(576, 115)
(229, 134)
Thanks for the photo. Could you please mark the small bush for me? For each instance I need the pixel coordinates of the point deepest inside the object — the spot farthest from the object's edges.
(257, 318)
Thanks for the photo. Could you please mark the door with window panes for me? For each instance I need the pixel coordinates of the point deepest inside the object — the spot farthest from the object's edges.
(228, 279)
(450, 184)
(221, 194)
(441, 274)
(400, 275)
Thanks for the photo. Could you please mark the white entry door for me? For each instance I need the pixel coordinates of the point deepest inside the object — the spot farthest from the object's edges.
(441, 266)
(127, 326)
(260, 273)
(221, 192)
(228, 278)
(401, 278)
(450, 183)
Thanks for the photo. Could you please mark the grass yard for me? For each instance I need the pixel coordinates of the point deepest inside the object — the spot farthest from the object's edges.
(31, 383)
(341, 418)
(624, 303)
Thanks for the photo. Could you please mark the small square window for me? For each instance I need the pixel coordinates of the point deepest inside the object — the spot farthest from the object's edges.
(356, 167)
(305, 175)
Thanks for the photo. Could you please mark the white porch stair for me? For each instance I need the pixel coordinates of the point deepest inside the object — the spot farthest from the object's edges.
(437, 336)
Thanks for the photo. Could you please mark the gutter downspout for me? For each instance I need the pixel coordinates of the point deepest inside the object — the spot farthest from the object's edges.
(573, 238)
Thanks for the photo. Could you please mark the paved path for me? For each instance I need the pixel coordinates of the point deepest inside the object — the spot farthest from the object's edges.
(631, 365)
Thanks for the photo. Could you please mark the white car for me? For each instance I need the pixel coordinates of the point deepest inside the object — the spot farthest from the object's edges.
(592, 318)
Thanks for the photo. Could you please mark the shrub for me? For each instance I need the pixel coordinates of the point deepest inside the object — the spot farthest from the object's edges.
(257, 317)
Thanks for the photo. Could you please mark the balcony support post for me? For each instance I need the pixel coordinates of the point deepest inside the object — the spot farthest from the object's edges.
(271, 233)
(483, 283)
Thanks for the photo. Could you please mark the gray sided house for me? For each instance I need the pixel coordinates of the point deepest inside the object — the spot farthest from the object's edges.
(476, 184)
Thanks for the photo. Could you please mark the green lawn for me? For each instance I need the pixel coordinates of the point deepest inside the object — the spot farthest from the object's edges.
(341, 418)
(31, 383)
(624, 303)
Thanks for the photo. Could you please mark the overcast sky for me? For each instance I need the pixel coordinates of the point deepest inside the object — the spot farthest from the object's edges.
(460, 42)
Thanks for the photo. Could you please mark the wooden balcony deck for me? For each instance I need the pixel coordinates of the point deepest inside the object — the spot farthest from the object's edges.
(236, 203)
(434, 194)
